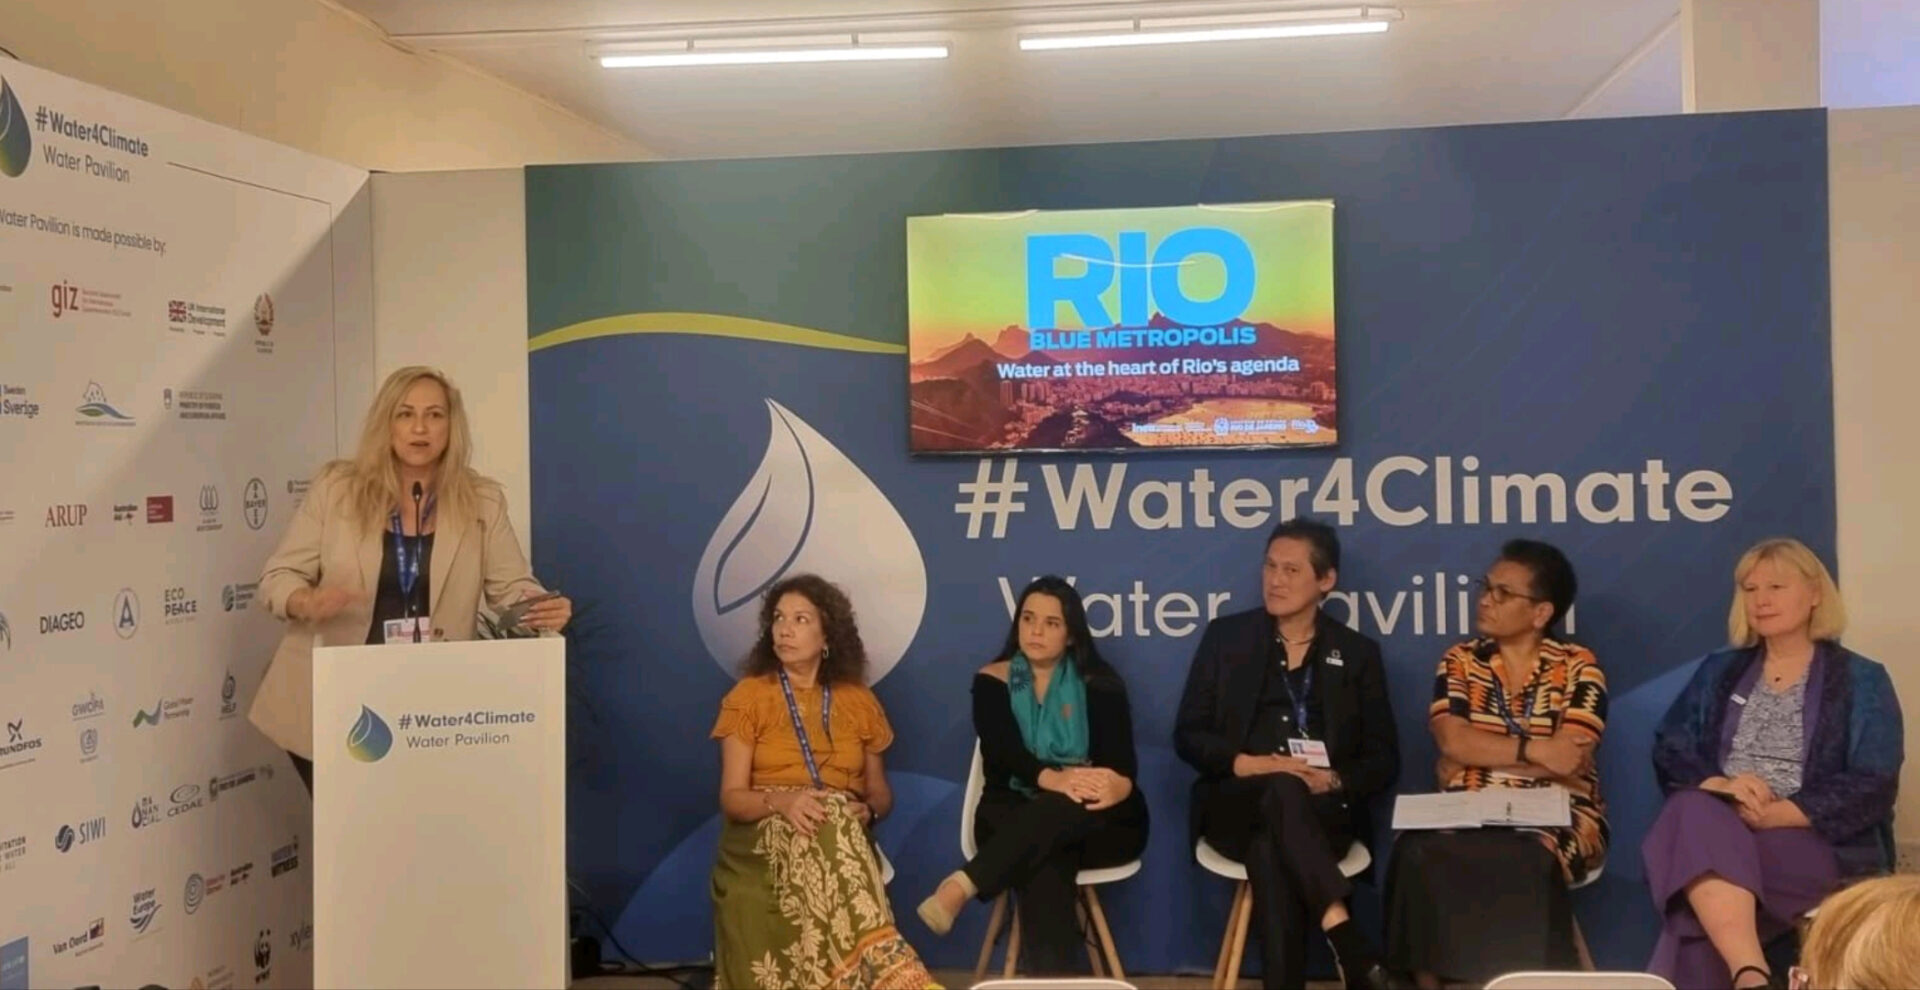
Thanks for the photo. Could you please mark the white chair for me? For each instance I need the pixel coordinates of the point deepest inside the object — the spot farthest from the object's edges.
(1088, 907)
(1576, 980)
(1233, 945)
(1055, 983)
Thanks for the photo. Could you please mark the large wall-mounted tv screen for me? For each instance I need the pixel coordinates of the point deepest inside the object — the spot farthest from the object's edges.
(1160, 328)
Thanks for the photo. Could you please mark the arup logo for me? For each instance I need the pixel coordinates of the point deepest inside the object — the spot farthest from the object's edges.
(16, 142)
(1144, 283)
(805, 502)
(126, 613)
(253, 503)
(369, 739)
(100, 412)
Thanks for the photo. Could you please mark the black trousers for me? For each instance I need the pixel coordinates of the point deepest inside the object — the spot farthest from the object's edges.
(1292, 841)
(303, 767)
(1034, 846)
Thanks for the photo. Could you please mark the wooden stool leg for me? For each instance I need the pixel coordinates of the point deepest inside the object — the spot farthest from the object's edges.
(1580, 945)
(1084, 926)
(1013, 944)
(1244, 919)
(1226, 939)
(1106, 935)
(993, 935)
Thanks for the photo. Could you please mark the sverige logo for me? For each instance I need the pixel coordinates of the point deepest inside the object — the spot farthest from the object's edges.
(369, 739)
(808, 508)
(16, 142)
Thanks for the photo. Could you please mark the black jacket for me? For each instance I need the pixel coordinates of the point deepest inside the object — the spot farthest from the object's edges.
(1222, 697)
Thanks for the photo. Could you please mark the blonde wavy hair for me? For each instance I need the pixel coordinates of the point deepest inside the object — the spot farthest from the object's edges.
(1866, 937)
(1829, 615)
(372, 477)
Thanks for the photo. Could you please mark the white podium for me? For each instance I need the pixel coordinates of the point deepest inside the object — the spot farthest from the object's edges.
(439, 815)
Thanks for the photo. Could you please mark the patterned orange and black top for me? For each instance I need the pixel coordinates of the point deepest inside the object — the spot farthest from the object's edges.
(1567, 689)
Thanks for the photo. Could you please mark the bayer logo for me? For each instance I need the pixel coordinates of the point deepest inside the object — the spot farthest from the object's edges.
(196, 890)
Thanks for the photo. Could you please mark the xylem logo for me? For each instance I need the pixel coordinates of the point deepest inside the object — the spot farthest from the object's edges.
(1146, 281)
(16, 141)
(805, 500)
(369, 739)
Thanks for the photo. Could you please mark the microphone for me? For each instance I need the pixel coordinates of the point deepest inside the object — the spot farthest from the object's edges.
(419, 543)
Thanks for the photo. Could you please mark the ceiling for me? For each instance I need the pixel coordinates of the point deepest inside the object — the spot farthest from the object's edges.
(1445, 62)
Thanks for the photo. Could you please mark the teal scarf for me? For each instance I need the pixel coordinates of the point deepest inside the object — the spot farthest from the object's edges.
(1055, 730)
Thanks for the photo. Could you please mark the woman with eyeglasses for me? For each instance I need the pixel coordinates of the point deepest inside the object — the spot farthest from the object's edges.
(1516, 707)
(1780, 760)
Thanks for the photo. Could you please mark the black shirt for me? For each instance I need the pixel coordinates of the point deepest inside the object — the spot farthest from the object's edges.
(1273, 719)
(389, 602)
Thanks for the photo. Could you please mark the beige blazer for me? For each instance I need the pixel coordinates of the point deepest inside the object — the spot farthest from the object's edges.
(323, 545)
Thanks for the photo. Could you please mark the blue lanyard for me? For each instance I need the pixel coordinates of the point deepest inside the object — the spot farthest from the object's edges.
(1524, 727)
(1299, 701)
(408, 557)
(800, 728)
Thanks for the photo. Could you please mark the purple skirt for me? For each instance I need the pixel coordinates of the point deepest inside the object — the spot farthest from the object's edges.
(1788, 871)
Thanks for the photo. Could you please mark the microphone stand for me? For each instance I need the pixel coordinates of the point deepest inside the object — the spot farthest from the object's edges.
(419, 546)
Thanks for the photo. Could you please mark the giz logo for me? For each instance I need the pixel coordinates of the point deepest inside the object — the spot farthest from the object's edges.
(65, 298)
(1144, 282)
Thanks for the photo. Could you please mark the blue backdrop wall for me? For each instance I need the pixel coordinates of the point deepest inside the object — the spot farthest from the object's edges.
(1612, 335)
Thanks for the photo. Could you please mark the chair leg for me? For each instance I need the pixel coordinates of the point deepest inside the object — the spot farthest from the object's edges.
(1084, 925)
(1226, 941)
(993, 935)
(1013, 944)
(1241, 922)
(1580, 946)
(1106, 936)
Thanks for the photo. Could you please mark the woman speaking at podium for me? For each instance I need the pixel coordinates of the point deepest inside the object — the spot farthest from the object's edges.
(396, 545)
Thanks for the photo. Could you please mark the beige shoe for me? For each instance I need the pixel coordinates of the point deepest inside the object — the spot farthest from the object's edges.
(937, 918)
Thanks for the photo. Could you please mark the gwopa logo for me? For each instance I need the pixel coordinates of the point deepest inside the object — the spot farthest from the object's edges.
(16, 141)
(805, 507)
(369, 739)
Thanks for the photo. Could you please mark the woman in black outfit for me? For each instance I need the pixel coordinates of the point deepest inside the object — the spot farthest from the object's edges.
(1056, 740)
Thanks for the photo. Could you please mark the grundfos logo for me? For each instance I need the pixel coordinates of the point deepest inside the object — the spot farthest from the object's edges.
(16, 142)
(804, 504)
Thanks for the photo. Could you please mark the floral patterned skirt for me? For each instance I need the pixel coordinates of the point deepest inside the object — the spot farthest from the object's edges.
(792, 910)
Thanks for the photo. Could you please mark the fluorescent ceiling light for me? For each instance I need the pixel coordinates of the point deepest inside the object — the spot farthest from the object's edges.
(710, 53)
(1290, 24)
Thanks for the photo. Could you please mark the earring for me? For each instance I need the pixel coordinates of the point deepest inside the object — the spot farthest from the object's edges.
(825, 652)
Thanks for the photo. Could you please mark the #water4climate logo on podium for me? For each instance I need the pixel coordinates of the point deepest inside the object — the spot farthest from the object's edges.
(16, 148)
(370, 738)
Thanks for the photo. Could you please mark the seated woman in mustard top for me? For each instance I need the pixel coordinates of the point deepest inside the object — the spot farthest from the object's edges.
(797, 897)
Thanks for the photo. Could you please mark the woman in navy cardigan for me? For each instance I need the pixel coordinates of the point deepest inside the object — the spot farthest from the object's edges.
(1780, 761)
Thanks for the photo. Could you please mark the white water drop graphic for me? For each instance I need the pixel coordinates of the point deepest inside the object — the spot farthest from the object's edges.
(808, 508)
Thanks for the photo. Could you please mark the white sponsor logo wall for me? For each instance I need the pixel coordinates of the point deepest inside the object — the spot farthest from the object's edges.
(169, 294)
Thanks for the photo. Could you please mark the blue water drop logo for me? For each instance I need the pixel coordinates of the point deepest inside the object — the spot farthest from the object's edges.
(369, 739)
(16, 146)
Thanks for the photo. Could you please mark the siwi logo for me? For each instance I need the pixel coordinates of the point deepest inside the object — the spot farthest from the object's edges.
(16, 142)
(805, 500)
(369, 739)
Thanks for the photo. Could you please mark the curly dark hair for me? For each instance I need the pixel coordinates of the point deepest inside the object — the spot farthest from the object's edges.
(846, 659)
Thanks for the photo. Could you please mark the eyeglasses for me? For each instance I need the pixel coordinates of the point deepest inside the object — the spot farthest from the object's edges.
(1502, 594)
(1797, 979)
